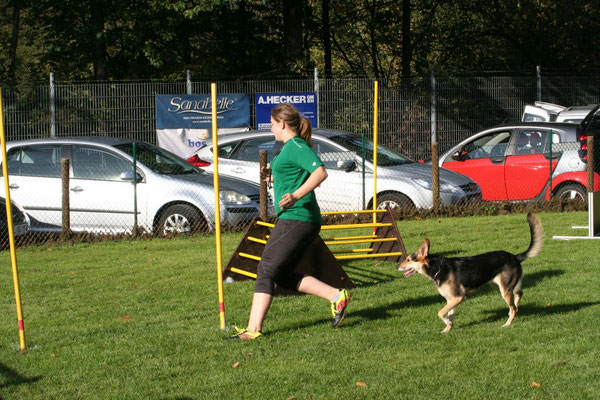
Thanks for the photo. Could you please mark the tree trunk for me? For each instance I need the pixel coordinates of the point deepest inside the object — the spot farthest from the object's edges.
(292, 31)
(98, 40)
(14, 41)
(326, 38)
(406, 38)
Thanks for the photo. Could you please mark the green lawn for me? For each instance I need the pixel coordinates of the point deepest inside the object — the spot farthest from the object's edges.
(139, 320)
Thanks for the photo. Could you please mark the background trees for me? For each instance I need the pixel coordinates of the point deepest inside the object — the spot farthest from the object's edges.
(151, 39)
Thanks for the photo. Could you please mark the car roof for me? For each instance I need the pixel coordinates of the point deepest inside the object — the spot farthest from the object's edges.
(107, 141)
(327, 133)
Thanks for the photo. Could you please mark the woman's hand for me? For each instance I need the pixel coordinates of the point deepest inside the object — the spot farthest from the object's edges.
(265, 174)
(287, 200)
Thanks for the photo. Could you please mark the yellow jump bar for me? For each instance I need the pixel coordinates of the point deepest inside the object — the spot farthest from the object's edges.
(337, 242)
(353, 212)
(250, 256)
(331, 227)
(368, 255)
(242, 272)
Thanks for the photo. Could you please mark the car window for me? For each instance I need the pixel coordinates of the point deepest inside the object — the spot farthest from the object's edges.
(225, 150)
(332, 157)
(249, 150)
(386, 157)
(158, 159)
(90, 162)
(39, 160)
(531, 141)
(490, 145)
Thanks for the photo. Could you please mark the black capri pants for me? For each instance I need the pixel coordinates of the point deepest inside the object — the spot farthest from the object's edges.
(288, 241)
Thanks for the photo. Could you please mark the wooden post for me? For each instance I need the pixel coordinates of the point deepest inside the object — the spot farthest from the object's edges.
(66, 220)
(435, 175)
(263, 185)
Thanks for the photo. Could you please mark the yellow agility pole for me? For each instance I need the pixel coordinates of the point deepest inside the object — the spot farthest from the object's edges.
(213, 95)
(11, 233)
(375, 106)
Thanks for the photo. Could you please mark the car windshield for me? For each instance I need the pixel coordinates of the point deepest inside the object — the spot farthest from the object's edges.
(159, 160)
(385, 157)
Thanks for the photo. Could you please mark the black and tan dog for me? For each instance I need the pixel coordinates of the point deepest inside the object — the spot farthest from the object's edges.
(455, 277)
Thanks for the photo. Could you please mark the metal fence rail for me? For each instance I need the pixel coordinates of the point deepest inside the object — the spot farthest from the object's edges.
(452, 108)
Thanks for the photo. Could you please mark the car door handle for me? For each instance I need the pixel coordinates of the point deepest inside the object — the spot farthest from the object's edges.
(239, 170)
(14, 186)
(77, 189)
(497, 160)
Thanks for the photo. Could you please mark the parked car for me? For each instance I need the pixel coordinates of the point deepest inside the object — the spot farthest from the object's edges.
(400, 181)
(548, 112)
(171, 195)
(20, 222)
(513, 161)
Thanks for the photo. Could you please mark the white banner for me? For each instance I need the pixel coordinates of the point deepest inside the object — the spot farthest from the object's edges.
(185, 142)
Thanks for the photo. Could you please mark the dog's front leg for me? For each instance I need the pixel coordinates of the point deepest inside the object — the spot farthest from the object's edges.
(449, 309)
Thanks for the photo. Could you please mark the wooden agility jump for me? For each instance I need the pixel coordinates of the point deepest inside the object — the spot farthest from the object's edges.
(321, 259)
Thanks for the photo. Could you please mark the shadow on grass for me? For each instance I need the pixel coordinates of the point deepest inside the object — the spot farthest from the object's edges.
(12, 377)
(501, 314)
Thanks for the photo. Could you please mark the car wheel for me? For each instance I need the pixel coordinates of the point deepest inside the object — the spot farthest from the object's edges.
(572, 191)
(394, 200)
(180, 218)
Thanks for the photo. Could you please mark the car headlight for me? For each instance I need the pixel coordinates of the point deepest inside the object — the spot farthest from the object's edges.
(444, 187)
(233, 197)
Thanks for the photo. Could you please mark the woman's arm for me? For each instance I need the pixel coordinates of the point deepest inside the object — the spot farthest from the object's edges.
(314, 180)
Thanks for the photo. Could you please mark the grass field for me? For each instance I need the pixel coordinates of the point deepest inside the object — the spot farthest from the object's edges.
(139, 320)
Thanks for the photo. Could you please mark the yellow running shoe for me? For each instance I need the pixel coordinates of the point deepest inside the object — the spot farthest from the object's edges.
(243, 334)
(338, 308)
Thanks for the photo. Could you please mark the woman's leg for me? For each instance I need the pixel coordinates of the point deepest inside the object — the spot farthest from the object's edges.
(311, 285)
(260, 306)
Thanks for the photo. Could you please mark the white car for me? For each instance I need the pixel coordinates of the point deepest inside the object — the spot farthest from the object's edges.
(548, 112)
(401, 182)
(170, 195)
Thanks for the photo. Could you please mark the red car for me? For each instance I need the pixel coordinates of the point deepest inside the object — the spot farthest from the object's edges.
(514, 161)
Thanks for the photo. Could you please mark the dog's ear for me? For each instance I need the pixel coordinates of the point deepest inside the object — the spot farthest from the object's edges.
(424, 248)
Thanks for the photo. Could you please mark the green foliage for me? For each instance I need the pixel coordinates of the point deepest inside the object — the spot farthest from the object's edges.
(150, 39)
(132, 320)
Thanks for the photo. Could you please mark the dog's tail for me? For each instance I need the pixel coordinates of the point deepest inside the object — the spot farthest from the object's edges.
(537, 238)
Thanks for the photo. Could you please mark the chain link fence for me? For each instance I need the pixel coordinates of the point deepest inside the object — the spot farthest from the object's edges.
(411, 115)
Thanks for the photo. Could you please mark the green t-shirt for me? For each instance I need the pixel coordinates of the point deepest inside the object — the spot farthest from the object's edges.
(291, 168)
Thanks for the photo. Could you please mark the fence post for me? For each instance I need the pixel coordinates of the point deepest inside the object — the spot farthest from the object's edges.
(538, 73)
(435, 169)
(66, 218)
(262, 155)
(317, 94)
(52, 106)
(189, 81)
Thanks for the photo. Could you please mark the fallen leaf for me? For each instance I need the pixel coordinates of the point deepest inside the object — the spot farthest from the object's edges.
(361, 384)
(291, 398)
(52, 355)
(126, 317)
(49, 249)
(237, 364)
(548, 305)
(149, 261)
(72, 272)
(534, 385)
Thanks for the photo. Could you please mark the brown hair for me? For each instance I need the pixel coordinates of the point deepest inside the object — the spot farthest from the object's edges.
(291, 116)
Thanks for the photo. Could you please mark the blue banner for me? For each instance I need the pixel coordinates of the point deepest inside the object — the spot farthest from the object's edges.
(306, 103)
(193, 111)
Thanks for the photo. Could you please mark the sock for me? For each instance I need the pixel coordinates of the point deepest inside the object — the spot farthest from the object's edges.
(336, 298)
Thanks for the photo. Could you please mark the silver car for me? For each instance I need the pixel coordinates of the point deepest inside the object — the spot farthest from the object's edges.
(401, 182)
(170, 195)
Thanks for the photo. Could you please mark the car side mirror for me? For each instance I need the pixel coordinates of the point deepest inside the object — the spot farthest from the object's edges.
(128, 176)
(457, 156)
(346, 165)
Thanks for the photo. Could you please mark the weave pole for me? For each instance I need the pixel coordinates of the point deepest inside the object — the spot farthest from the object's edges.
(11, 232)
(215, 144)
